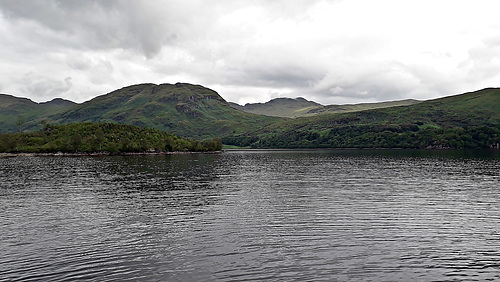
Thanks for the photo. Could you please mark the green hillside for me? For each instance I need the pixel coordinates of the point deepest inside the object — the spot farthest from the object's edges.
(360, 107)
(102, 137)
(18, 114)
(300, 107)
(470, 120)
(183, 109)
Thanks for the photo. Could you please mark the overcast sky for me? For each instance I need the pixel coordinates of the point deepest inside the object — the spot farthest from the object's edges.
(331, 52)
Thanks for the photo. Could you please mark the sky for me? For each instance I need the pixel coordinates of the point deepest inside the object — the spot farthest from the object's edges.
(331, 52)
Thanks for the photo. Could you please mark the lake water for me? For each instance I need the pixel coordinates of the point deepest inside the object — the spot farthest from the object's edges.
(326, 215)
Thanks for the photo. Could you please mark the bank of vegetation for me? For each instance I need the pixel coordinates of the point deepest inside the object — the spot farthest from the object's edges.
(102, 138)
(408, 136)
(470, 120)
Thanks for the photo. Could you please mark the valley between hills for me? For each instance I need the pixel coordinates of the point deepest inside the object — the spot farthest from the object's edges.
(194, 113)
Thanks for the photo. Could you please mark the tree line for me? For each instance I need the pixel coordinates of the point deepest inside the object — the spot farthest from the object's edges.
(411, 136)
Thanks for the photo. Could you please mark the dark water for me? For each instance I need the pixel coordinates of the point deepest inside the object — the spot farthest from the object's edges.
(253, 215)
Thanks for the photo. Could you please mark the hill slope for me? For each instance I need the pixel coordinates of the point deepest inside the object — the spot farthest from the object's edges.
(183, 109)
(468, 120)
(361, 107)
(300, 107)
(17, 114)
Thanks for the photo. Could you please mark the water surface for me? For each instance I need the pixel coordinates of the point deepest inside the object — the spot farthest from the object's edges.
(252, 215)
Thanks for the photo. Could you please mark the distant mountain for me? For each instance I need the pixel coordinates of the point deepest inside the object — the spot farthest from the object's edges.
(183, 109)
(470, 120)
(300, 107)
(280, 107)
(18, 114)
(59, 103)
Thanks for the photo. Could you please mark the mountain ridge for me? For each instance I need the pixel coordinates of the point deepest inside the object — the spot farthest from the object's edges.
(300, 107)
(458, 121)
(279, 107)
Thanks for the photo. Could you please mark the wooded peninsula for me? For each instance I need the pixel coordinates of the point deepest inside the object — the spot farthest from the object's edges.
(106, 138)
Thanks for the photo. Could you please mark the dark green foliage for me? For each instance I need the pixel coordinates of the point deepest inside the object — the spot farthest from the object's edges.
(101, 137)
(372, 136)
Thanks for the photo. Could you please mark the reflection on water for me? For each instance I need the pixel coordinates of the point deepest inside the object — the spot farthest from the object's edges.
(252, 215)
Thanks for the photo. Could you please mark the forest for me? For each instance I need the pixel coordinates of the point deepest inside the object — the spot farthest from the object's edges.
(410, 136)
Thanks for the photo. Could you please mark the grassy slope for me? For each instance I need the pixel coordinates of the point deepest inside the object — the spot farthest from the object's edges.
(293, 108)
(474, 108)
(458, 112)
(14, 110)
(364, 106)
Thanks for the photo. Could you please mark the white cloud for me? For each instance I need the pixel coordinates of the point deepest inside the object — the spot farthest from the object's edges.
(250, 51)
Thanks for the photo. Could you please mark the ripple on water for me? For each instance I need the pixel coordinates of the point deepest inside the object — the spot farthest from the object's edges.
(280, 216)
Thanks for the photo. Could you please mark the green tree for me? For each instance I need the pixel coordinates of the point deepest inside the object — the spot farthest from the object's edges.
(75, 141)
(125, 144)
(99, 138)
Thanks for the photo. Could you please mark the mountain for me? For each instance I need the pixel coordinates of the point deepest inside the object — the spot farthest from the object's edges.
(183, 109)
(59, 103)
(300, 107)
(16, 113)
(469, 120)
(280, 107)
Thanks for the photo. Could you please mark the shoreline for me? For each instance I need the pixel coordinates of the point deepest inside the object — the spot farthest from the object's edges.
(152, 153)
(97, 154)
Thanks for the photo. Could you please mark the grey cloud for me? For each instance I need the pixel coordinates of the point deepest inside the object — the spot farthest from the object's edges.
(141, 25)
(45, 88)
(294, 77)
(298, 47)
(88, 63)
(483, 60)
(79, 62)
(148, 26)
(274, 75)
(78, 19)
(377, 82)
